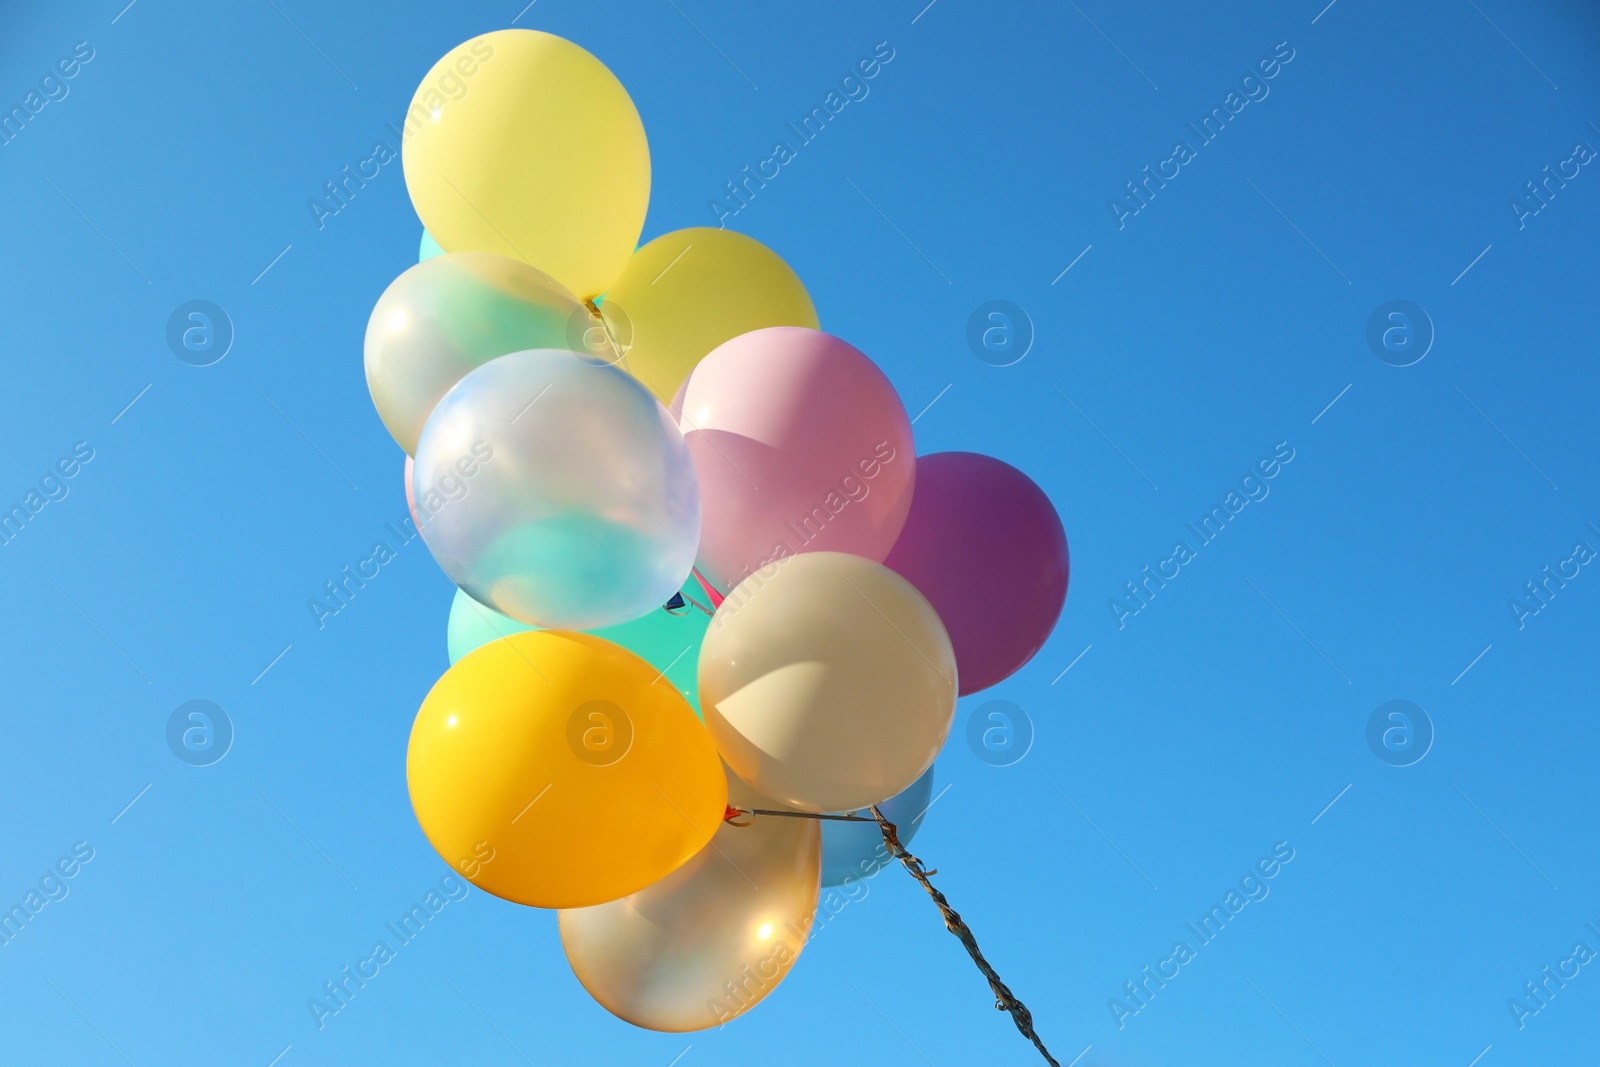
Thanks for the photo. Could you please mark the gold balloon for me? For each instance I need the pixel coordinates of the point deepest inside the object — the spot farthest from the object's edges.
(827, 681)
(688, 291)
(551, 770)
(710, 940)
(522, 143)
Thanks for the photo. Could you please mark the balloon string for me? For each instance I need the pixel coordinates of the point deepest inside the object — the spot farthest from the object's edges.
(1003, 998)
(605, 327)
(733, 813)
(699, 605)
(711, 591)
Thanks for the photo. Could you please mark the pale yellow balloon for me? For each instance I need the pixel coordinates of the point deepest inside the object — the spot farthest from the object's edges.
(522, 143)
(688, 291)
(827, 681)
(713, 938)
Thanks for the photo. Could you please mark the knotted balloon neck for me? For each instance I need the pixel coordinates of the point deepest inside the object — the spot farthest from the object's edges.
(679, 605)
(605, 328)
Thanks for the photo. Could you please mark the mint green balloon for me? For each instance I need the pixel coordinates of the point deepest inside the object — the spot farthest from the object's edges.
(429, 247)
(668, 642)
(473, 625)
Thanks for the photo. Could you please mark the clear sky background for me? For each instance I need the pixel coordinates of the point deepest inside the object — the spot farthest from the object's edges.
(1178, 350)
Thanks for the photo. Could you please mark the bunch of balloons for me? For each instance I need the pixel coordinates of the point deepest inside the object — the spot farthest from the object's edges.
(599, 438)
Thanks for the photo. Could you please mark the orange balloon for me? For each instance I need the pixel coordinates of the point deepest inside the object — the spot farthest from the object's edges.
(559, 770)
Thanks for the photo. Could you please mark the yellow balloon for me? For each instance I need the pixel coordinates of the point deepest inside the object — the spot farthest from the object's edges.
(558, 770)
(713, 938)
(686, 292)
(522, 143)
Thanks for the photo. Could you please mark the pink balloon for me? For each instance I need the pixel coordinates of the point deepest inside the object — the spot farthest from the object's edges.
(801, 445)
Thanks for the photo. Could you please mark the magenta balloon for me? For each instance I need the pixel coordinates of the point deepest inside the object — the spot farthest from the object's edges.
(985, 546)
(800, 445)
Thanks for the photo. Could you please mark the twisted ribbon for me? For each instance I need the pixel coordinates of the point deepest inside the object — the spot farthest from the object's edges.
(1004, 999)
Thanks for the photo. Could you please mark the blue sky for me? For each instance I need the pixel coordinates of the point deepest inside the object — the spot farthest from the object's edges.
(1225, 320)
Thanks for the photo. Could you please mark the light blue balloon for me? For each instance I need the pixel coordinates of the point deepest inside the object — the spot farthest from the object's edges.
(852, 851)
(429, 248)
(557, 491)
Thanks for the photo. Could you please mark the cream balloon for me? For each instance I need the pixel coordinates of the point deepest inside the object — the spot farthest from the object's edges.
(827, 681)
(713, 938)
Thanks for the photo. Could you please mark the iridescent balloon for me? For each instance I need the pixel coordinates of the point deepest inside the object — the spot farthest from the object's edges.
(713, 938)
(449, 314)
(557, 491)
